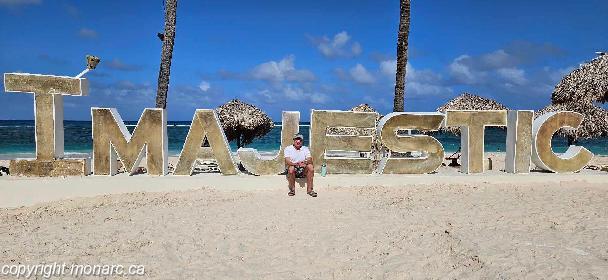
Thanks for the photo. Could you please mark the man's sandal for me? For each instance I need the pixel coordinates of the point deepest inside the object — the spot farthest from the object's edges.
(312, 193)
(291, 193)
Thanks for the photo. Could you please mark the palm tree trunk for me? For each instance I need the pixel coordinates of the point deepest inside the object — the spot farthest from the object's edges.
(167, 54)
(402, 45)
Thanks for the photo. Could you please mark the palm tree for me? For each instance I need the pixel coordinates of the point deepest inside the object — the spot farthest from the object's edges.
(168, 38)
(402, 44)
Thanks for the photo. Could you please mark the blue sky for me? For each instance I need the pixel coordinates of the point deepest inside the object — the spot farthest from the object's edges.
(299, 55)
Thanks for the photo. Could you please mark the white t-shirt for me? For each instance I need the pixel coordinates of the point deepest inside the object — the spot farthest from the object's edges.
(296, 156)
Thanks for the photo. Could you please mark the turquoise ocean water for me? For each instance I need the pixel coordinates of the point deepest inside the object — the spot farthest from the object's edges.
(17, 139)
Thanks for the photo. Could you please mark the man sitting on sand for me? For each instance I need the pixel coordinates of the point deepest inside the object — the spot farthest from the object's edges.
(299, 165)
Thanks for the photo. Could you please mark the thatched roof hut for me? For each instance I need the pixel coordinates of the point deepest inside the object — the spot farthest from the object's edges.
(588, 83)
(595, 122)
(363, 108)
(243, 122)
(467, 101)
(578, 91)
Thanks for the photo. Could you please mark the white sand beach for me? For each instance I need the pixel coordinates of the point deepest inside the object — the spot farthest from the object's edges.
(445, 225)
(130, 81)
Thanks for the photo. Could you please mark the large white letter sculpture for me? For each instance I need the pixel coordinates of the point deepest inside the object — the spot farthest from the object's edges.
(573, 160)
(112, 141)
(472, 124)
(431, 148)
(320, 141)
(253, 161)
(48, 112)
(205, 123)
(519, 141)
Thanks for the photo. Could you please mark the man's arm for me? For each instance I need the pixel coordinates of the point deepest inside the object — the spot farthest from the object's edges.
(288, 162)
(308, 159)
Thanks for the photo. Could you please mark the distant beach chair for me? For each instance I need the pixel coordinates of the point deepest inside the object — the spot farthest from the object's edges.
(454, 158)
(4, 171)
(206, 166)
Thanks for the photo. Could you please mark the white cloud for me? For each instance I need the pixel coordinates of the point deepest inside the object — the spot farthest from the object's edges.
(502, 72)
(474, 70)
(187, 97)
(497, 59)
(284, 82)
(389, 67)
(461, 71)
(16, 3)
(423, 76)
(356, 49)
(513, 75)
(486, 68)
(125, 91)
(87, 33)
(338, 46)
(117, 64)
(418, 82)
(204, 86)
(266, 96)
(505, 74)
(340, 39)
(490, 69)
(292, 93)
(299, 94)
(417, 88)
(318, 98)
(360, 75)
(281, 71)
(273, 70)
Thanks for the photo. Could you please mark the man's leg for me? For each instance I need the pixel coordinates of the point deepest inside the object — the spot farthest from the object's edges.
(291, 178)
(310, 173)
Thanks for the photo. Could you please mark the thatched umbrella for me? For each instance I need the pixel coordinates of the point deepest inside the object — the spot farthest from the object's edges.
(588, 83)
(363, 108)
(243, 122)
(595, 121)
(467, 101)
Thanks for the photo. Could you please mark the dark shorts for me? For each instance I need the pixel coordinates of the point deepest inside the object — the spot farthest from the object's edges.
(300, 171)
